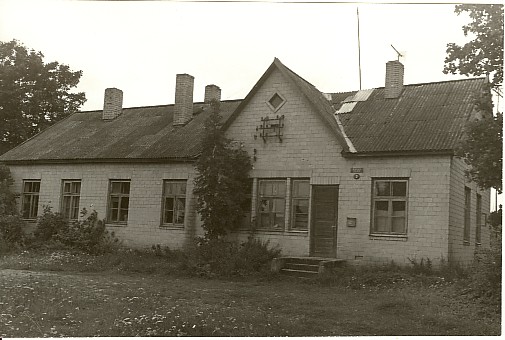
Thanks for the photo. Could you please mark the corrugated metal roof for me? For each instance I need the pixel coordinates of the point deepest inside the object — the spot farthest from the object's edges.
(426, 117)
(138, 133)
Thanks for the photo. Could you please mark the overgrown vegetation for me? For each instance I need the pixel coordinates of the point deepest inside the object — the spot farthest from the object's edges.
(486, 277)
(11, 225)
(218, 257)
(222, 184)
(87, 234)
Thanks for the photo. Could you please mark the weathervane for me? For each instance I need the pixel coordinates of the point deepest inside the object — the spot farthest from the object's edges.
(399, 54)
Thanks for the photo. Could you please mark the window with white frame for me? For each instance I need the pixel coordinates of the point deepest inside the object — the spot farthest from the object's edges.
(174, 202)
(478, 219)
(300, 204)
(271, 204)
(30, 199)
(389, 206)
(466, 225)
(71, 194)
(119, 201)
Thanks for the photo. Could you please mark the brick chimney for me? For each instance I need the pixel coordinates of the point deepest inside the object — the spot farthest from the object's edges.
(183, 108)
(112, 103)
(394, 79)
(212, 92)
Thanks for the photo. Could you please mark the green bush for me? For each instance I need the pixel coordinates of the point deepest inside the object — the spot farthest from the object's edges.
(485, 280)
(218, 257)
(7, 197)
(49, 224)
(88, 235)
(11, 229)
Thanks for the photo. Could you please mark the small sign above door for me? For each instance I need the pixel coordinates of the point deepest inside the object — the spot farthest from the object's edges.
(356, 170)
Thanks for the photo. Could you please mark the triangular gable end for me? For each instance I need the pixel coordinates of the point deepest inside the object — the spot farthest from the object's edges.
(309, 92)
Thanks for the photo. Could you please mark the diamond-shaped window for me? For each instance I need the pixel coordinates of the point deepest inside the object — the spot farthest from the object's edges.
(275, 102)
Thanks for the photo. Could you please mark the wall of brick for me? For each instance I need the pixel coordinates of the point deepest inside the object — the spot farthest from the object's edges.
(459, 250)
(144, 218)
(309, 149)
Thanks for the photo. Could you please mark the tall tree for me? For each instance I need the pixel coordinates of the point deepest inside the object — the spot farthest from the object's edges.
(222, 184)
(484, 54)
(33, 94)
(483, 143)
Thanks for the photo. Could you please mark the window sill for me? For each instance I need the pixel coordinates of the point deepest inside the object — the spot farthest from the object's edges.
(171, 227)
(478, 244)
(294, 231)
(118, 225)
(388, 237)
(30, 220)
(466, 243)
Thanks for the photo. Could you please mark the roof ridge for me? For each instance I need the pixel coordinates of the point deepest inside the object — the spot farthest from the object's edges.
(160, 105)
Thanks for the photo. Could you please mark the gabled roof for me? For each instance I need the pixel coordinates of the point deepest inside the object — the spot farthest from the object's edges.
(138, 134)
(425, 118)
(321, 105)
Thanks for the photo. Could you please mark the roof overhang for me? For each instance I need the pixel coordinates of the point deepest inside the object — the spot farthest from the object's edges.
(101, 161)
(417, 153)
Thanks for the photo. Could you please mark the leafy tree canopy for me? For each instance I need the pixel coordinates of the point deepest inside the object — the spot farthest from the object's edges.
(482, 149)
(33, 94)
(222, 185)
(484, 54)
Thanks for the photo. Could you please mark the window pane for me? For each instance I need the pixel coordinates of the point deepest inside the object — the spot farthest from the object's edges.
(266, 188)
(264, 220)
(66, 187)
(382, 188)
(124, 202)
(35, 206)
(399, 188)
(264, 205)
(278, 205)
(66, 206)
(302, 189)
(75, 208)
(279, 220)
(123, 215)
(125, 188)
(398, 208)
(28, 187)
(169, 216)
(182, 188)
(169, 203)
(26, 206)
(280, 189)
(301, 206)
(180, 203)
(114, 202)
(116, 187)
(114, 214)
(76, 187)
(398, 224)
(381, 216)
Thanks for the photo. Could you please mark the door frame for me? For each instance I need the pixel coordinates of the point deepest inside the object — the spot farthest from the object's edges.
(312, 216)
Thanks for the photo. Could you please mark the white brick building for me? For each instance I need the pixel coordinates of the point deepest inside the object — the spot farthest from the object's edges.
(365, 176)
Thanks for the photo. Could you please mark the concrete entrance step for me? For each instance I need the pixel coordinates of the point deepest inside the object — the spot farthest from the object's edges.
(304, 266)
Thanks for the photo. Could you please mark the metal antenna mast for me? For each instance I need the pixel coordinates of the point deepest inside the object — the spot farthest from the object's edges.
(399, 54)
(359, 50)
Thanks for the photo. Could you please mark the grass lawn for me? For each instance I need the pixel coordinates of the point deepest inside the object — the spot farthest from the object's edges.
(81, 303)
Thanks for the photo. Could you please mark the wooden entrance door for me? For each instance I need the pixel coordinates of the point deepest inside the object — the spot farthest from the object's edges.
(324, 220)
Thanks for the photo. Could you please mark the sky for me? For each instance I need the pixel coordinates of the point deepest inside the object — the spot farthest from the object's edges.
(140, 46)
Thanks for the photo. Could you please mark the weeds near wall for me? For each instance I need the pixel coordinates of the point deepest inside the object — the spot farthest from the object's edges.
(87, 234)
